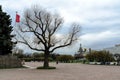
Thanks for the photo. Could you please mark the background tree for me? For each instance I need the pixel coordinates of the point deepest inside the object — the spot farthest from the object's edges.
(38, 56)
(100, 56)
(54, 56)
(6, 43)
(43, 26)
(65, 58)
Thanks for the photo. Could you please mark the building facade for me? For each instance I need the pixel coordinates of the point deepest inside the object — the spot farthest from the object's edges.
(114, 50)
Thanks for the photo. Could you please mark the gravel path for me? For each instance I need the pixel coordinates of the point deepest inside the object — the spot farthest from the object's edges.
(64, 71)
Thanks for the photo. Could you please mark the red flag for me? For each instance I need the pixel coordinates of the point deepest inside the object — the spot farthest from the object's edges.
(17, 18)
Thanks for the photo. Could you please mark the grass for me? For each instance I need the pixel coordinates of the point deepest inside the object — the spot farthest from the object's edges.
(50, 67)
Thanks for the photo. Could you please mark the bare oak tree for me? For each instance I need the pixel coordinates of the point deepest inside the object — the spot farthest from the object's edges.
(43, 26)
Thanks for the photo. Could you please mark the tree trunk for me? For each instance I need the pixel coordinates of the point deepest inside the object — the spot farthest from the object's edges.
(46, 60)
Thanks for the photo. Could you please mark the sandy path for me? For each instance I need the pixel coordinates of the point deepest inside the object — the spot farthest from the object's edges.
(69, 71)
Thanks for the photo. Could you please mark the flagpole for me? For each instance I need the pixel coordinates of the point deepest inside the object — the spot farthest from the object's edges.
(17, 19)
(17, 22)
(16, 26)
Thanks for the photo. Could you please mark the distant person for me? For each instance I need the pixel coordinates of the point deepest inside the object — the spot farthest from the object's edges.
(57, 62)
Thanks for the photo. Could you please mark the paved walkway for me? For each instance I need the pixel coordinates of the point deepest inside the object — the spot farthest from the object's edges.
(69, 71)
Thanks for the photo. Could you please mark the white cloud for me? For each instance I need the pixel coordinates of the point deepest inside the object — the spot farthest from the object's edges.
(73, 10)
(91, 13)
(60, 36)
(92, 38)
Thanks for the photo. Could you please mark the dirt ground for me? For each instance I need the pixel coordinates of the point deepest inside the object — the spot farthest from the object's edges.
(64, 71)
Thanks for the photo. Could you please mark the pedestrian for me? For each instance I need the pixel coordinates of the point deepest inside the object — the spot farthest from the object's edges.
(57, 62)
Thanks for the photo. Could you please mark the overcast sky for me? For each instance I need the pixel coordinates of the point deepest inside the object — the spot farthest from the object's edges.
(100, 19)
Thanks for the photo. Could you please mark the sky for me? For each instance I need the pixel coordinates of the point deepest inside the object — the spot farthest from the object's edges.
(99, 19)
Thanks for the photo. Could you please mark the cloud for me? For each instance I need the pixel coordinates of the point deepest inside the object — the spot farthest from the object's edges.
(72, 11)
(91, 39)
(100, 19)
(75, 9)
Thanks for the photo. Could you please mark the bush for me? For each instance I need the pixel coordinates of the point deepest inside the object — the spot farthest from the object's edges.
(35, 59)
(28, 59)
(100, 56)
(65, 58)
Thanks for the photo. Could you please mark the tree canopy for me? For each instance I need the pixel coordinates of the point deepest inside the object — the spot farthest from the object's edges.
(6, 43)
(100, 56)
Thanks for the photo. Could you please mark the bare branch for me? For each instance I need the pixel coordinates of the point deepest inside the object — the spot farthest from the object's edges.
(43, 25)
(71, 38)
(27, 43)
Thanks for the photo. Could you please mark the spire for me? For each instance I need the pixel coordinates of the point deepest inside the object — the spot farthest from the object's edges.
(80, 49)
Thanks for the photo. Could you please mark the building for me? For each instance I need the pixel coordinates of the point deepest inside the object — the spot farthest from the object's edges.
(114, 50)
(81, 53)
